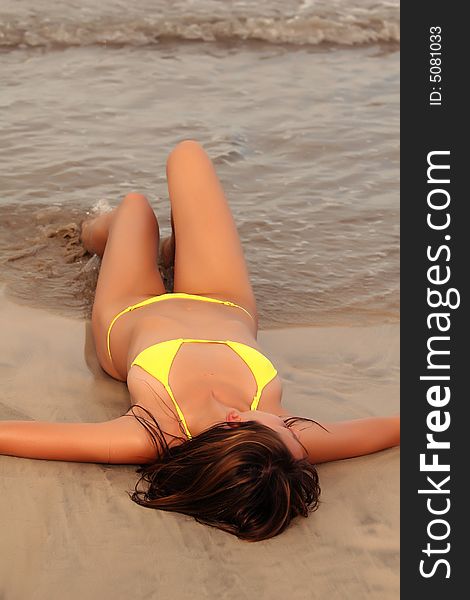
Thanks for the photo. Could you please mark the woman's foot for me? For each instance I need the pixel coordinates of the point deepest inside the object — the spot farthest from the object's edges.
(85, 234)
(94, 233)
(167, 252)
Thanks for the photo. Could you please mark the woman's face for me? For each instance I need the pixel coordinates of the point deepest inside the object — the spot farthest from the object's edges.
(288, 436)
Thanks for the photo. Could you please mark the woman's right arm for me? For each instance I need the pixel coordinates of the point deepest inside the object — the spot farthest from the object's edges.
(121, 441)
(347, 439)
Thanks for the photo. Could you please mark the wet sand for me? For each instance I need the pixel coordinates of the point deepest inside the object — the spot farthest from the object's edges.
(70, 531)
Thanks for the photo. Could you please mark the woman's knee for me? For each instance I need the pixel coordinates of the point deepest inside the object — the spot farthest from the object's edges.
(134, 197)
(184, 150)
(135, 208)
(136, 203)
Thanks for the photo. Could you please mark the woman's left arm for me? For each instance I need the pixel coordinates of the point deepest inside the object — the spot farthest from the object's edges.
(346, 439)
(122, 440)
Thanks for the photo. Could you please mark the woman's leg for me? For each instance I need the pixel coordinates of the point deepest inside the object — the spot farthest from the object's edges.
(95, 231)
(127, 239)
(209, 257)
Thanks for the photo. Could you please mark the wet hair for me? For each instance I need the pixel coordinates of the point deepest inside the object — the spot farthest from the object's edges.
(239, 477)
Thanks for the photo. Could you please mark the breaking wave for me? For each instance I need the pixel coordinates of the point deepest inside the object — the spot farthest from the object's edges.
(356, 27)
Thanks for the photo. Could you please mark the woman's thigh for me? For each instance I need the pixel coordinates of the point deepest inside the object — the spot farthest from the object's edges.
(129, 271)
(209, 258)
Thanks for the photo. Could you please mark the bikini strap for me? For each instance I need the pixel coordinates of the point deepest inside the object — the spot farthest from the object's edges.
(166, 297)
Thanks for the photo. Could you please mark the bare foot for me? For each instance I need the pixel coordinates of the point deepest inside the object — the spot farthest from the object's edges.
(94, 233)
(85, 235)
(167, 252)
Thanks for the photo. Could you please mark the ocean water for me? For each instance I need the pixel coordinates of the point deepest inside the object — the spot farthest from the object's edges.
(297, 103)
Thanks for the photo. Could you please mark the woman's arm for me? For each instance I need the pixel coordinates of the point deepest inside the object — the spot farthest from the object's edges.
(347, 439)
(120, 441)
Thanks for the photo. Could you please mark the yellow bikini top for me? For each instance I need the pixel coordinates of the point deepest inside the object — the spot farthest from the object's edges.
(157, 361)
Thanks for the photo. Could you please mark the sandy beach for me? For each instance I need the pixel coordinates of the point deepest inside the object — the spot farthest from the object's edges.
(70, 531)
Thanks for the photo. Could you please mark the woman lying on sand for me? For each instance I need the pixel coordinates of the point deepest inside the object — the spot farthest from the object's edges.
(206, 422)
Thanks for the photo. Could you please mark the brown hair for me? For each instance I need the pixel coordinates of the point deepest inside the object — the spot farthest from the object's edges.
(239, 477)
